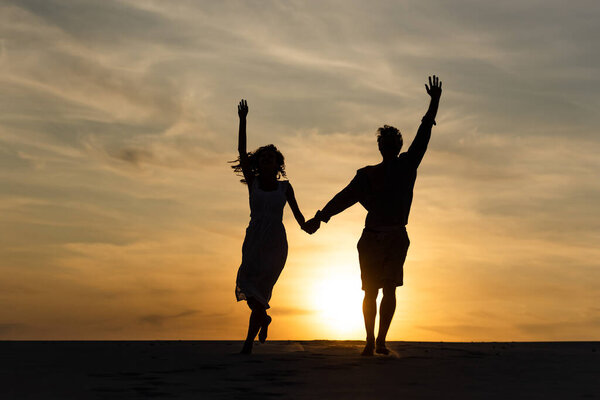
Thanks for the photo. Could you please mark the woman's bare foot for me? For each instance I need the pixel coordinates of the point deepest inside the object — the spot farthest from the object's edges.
(247, 349)
(380, 348)
(368, 350)
(262, 335)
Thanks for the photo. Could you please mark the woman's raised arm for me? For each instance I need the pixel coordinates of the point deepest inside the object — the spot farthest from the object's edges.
(243, 113)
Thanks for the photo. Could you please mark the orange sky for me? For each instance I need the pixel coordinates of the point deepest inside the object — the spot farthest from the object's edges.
(121, 218)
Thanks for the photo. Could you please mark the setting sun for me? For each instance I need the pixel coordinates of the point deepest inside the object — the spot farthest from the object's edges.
(337, 299)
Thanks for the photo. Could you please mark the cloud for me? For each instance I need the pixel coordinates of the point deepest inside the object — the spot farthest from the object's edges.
(563, 329)
(157, 319)
(11, 329)
(118, 119)
(465, 332)
(135, 156)
(291, 311)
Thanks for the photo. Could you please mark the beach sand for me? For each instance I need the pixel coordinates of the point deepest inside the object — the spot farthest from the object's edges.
(298, 370)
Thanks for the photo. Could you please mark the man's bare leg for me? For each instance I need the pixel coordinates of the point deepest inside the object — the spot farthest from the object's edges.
(386, 313)
(370, 312)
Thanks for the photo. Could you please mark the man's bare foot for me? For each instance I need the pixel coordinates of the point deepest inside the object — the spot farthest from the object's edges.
(368, 350)
(381, 349)
(262, 335)
(247, 349)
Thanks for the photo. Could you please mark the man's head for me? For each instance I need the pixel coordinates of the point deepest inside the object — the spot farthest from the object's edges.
(389, 140)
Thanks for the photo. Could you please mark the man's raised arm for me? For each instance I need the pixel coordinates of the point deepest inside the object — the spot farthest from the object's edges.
(419, 145)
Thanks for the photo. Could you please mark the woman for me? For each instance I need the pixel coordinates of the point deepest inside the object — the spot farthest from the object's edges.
(265, 246)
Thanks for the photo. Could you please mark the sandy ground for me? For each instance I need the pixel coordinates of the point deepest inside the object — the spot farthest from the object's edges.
(298, 370)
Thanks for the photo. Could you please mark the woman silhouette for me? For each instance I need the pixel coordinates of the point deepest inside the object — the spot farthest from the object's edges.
(265, 246)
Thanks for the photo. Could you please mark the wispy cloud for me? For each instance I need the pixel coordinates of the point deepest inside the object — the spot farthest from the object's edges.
(156, 319)
(118, 118)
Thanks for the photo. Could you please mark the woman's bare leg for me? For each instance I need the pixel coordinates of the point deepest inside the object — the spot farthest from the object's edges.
(256, 320)
(264, 327)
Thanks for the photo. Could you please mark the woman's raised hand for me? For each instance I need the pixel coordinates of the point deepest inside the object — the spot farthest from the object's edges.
(243, 108)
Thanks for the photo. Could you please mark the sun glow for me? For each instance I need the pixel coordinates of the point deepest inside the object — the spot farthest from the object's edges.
(337, 299)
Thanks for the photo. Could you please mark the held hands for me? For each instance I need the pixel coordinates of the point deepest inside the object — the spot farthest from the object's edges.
(435, 87)
(311, 226)
(243, 109)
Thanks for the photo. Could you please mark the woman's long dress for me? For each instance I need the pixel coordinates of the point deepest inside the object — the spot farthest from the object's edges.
(265, 246)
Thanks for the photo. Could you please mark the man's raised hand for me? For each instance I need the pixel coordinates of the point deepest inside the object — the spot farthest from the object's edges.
(435, 87)
(243, 108)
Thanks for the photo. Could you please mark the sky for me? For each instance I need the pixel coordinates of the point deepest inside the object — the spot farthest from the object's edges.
(120, 217)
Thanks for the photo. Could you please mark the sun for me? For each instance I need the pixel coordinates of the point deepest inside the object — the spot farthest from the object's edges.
(337, 298)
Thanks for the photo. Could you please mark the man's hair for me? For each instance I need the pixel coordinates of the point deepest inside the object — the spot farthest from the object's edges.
(388, 131)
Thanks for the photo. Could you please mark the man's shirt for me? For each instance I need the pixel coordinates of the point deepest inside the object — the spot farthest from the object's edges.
(385, 190)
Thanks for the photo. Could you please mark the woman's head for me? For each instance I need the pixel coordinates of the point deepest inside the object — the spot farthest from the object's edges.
(265, 160)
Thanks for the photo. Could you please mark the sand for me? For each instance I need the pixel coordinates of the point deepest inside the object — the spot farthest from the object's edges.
(298, 370)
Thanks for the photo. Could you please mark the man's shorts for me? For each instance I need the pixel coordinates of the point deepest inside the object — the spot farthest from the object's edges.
(381, 255)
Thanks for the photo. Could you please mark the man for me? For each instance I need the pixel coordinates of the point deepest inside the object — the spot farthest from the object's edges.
(386, 191)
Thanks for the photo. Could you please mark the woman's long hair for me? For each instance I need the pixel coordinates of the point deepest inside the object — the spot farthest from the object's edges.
(253, 162)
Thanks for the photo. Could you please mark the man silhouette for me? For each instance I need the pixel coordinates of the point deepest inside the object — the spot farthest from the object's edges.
(386, 191)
